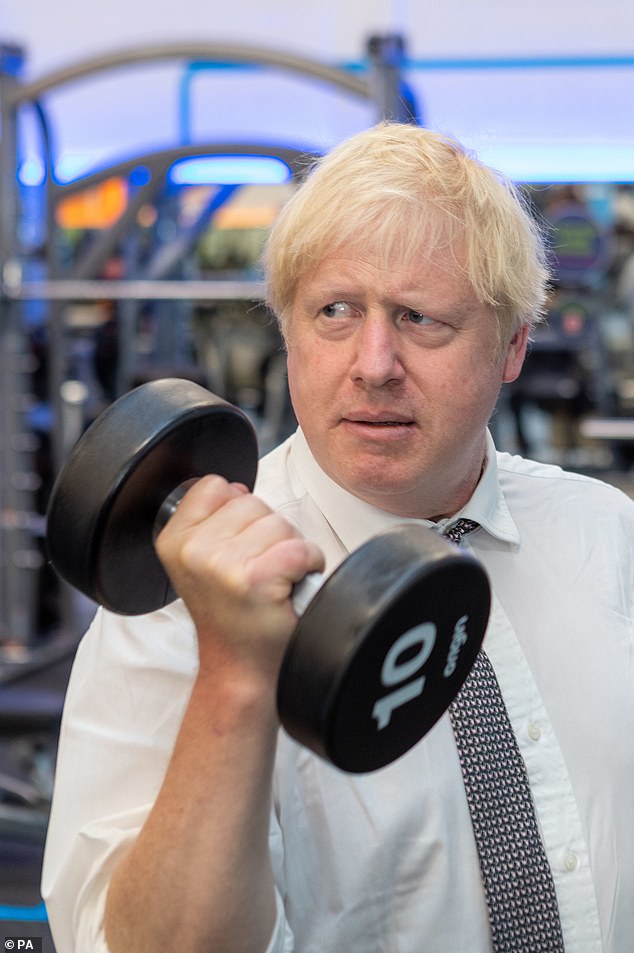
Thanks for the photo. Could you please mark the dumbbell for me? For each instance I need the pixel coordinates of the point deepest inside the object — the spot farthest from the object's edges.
(383, 645)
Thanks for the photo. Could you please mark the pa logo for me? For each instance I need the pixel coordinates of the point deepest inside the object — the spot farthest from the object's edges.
(15, 943)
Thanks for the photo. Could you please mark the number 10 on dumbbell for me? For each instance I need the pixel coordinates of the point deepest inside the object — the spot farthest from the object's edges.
(381, 648)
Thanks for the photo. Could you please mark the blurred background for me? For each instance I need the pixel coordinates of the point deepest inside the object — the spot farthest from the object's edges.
(146, 149)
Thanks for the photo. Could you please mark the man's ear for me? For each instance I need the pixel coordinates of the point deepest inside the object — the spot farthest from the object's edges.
(515, 354)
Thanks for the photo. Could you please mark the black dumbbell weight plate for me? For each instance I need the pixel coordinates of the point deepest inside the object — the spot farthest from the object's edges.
(383, 648)
(103, 507)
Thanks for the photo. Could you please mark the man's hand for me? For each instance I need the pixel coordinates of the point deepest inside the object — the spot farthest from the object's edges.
(234, 562)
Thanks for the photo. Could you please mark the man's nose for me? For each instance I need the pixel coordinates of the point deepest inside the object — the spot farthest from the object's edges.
(377, 358)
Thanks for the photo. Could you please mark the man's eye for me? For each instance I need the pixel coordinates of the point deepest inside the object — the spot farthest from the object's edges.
(418, 317)
(337, 309)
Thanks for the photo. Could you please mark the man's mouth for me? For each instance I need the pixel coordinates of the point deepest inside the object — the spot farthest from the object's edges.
(379, 422)
(384, 423)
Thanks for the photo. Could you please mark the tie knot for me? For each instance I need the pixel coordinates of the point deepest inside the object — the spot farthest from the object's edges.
(461, 528)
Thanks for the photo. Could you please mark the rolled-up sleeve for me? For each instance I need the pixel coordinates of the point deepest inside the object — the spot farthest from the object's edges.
(127, 694)
(129, 687)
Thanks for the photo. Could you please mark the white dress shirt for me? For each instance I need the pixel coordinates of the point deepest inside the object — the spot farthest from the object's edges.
(386, 862)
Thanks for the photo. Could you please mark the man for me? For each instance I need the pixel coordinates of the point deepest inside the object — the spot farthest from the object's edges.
(406, 278)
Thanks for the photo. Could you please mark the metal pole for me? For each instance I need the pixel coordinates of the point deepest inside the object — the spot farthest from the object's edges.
(209, 52)
(19, 557)
(151, 289)
(386, 54)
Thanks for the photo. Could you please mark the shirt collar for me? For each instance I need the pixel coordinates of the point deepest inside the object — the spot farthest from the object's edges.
(355, 521)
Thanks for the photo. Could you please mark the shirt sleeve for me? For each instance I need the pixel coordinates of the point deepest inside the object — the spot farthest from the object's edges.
(282, 939)
(129, 687)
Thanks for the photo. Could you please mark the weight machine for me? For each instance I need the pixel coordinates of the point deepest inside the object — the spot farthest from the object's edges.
(21, 524)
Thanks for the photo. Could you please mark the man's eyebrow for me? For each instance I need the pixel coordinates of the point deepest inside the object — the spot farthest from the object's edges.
(333, 291)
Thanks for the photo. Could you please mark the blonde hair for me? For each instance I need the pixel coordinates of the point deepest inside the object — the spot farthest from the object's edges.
(398, 190)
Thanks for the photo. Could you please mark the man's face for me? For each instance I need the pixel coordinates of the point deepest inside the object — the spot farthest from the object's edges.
(393, 375)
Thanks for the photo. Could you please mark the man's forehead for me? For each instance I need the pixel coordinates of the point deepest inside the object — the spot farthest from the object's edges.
(360, 267)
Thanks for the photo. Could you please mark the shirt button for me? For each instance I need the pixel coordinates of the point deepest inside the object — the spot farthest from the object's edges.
(534, 732)
(571, 861)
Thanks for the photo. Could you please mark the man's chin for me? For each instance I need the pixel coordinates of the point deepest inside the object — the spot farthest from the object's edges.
(381, 489)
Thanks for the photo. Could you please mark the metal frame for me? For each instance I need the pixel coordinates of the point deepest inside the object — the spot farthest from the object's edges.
(18, 555)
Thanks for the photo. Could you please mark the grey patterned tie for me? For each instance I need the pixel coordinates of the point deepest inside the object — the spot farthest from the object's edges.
(516, 875)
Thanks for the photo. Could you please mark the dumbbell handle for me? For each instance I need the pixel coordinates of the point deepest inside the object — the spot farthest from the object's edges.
(169, 506)
(303, 591)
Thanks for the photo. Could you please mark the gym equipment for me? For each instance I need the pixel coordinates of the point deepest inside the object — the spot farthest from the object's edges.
(381, 649)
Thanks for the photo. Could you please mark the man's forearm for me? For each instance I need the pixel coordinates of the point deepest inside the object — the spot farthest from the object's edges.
(199, 876)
